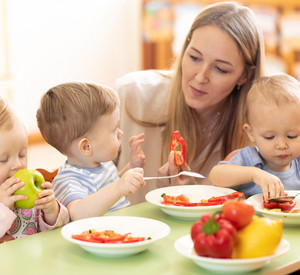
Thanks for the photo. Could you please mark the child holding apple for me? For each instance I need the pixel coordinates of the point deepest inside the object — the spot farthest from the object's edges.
(273, 125)
(47, 212)
(81, 121)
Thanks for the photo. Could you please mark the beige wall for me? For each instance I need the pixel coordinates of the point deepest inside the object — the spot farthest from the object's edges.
(55, 41)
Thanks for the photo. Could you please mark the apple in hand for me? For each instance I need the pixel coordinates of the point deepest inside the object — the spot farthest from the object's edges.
(32, 187)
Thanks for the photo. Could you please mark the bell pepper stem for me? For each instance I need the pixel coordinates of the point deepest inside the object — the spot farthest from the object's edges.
(211, 227)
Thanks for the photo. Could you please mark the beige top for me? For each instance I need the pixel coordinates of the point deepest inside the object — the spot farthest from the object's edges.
(144, 93)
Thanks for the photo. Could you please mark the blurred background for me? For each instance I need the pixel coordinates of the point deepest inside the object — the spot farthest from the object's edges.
(47, 42)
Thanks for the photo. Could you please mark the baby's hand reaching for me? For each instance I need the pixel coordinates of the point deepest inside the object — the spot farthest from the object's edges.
(131, 181)
(7, 189)
(137, 156)
(48, 203)
(271, 185)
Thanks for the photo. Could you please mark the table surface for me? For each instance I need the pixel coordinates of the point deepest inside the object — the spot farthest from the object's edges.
(49, 253)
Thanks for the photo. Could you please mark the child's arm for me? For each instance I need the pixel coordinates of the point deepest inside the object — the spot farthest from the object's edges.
(100, 202)
(228, 175)
(137, 156)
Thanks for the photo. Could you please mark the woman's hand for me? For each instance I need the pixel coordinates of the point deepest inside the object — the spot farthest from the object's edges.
(137, 156)
(48, 204)
(169, 169)
(7, 189)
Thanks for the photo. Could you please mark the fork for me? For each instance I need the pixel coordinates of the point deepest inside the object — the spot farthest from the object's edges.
(182, 173)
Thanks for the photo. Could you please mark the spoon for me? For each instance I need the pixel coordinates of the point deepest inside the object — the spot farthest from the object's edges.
(182, 173)
(284, 198)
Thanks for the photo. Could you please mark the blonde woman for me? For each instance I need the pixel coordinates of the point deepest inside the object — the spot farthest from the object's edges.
(203, 97)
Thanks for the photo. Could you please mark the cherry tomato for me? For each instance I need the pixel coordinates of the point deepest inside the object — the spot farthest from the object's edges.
(239, 212)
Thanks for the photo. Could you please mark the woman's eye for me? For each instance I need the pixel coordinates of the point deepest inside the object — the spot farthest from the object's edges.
(221, 70)
(292, 137)
(194, 58)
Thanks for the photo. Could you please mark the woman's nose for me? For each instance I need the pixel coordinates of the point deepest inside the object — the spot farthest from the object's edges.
(120, 133)
(202, 75)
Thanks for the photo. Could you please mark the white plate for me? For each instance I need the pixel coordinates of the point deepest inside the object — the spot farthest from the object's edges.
(194, 192)
(184, 246)
(287, 218)
(138, 227)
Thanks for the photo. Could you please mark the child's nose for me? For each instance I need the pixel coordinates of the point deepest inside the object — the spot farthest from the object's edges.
(120, 133)
(17, 164)
(281, 144)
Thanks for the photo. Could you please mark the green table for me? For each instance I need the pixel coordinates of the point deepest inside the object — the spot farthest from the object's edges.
(48, 253)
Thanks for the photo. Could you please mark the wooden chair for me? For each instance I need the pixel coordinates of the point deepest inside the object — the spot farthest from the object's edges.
(48, 176)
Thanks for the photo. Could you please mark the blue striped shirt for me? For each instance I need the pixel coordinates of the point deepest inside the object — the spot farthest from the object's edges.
(73, 182)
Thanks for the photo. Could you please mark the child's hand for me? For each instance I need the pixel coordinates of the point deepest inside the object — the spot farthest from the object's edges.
(7, 189)
(48, 203)
(271, 185)
(131, 181)
(137, 156)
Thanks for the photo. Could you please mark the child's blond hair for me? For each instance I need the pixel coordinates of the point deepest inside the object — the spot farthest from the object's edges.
(68, 111)
(7, 115)
(277, 89)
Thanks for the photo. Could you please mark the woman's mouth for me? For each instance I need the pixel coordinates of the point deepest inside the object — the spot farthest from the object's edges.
(197, 92)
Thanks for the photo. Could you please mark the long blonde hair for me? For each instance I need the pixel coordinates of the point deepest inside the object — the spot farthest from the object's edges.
(239, 22)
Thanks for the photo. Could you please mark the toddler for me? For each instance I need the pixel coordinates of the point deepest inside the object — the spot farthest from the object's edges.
(81, 121)
(47, 213)
(273, 115)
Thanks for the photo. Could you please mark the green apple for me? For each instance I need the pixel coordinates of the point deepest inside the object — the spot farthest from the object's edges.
(32, 187)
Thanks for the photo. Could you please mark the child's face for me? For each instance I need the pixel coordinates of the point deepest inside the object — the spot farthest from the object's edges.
(105, 137)
(13, 151)
(276, 132)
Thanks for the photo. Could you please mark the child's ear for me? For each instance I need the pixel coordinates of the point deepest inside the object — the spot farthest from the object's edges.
(247, 128)
(85, 147)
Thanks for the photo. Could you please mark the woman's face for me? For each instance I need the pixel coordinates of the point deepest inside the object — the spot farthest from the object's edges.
(211, 67)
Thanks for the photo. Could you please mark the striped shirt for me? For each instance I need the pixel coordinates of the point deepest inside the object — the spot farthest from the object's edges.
(73, 182)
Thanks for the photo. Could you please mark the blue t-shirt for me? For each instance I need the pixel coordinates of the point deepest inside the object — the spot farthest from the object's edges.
(73, 182)
(249, 156)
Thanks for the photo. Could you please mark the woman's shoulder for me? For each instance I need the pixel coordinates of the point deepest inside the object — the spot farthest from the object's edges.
(144, 82)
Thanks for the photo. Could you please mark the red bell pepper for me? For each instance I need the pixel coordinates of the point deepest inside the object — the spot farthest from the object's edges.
(178, 145)
(284, 206)
(214, 236)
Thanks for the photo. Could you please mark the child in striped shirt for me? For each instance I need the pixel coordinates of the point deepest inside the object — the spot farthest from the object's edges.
(81, 121)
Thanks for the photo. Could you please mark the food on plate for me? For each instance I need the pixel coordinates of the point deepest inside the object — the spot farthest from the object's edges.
(33, 180)
(182, 200)
(235, 232)
(239, 212)
(214, 236)
(258, 239)
(279, 206)
(178, 145)
(107, 236)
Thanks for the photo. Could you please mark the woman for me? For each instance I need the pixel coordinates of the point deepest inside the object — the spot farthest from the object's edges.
(203, 98)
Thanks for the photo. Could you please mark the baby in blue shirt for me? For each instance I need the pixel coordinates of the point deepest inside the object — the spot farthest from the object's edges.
(273, 126)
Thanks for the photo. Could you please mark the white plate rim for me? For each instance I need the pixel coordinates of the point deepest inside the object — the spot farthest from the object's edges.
(283, 248)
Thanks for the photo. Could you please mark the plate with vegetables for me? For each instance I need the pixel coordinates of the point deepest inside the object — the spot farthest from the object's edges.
(185, 246)
(289, 212)
(115, 236)
(190, 201)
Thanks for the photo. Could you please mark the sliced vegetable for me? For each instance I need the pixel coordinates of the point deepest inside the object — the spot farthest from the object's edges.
(178, 145)
(284, 206)
(107, 236)
(182, 200)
